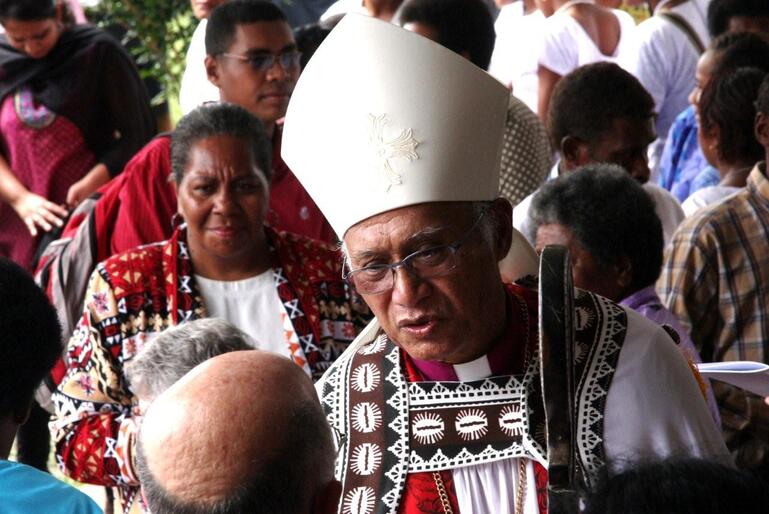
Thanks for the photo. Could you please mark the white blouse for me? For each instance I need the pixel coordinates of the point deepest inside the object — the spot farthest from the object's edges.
(252, 305)
(567, 45)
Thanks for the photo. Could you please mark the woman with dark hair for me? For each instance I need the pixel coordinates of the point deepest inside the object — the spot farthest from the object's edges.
(726, 115)
(284, 290)
(72, 112)
(607, 221)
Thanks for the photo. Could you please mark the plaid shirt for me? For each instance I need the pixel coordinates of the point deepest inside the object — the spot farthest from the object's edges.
(716, 280)
(716, 275)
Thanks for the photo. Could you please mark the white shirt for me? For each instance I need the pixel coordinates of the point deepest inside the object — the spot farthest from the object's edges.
(509, 64)
(668, 209)
(654, 409)
(252, 305)
(666, 206)
(195, 88)
(706, 196)
(567, 45)
(665, 64)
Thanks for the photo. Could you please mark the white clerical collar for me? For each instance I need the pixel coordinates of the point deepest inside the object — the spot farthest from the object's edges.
(473, 370)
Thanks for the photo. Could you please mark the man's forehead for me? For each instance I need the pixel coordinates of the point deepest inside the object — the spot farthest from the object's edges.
(400, 225)
(271, 36)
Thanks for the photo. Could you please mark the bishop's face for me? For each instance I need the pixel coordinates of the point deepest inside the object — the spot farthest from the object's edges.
(453, 318)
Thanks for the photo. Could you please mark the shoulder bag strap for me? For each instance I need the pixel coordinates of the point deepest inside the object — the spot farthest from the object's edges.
(687, 29)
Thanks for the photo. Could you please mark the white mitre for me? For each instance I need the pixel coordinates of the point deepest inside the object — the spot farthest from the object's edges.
(382, 118)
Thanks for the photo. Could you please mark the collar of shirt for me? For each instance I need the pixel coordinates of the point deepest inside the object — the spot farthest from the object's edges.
(555, 171)
(758, 184)
(660, 5)
(641, 298)
(500, 360)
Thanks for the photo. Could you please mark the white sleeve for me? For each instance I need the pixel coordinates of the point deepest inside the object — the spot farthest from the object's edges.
(522, 220)
(693, 203)
(654, 408)
(651, 64)
(628, 44)
(559, 51)
(668, 209)
(195, 88)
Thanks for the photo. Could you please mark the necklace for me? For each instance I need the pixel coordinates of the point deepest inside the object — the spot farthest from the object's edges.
(520, 489)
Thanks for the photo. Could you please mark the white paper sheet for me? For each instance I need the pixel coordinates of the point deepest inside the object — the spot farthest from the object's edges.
(748, 375)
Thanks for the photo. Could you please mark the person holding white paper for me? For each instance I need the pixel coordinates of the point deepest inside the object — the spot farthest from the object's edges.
(714, 279)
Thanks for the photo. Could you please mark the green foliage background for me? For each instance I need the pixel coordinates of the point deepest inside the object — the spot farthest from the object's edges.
(158, 33)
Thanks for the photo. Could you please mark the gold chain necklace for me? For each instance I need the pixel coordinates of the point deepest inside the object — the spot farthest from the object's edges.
(520, 491)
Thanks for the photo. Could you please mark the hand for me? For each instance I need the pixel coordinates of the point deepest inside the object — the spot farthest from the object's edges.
(35, 211)
(78, 192)
(83, 188)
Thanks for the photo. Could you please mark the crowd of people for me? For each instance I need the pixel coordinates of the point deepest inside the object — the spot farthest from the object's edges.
(355, 205)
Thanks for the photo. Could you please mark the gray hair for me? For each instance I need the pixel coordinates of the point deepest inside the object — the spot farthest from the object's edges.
(488, 226)
(174, 352)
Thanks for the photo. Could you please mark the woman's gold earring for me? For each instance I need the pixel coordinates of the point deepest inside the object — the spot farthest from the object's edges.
(176, 220)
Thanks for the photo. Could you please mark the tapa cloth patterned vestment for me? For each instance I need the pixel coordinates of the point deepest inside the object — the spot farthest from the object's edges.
(636, 399)
(146, 290)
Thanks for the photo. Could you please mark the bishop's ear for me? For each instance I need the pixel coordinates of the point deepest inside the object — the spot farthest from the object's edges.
(502, 211)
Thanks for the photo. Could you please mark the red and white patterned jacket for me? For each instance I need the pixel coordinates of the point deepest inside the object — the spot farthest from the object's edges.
(145, 290)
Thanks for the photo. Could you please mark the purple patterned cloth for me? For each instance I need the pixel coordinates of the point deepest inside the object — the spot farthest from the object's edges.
(646, 302)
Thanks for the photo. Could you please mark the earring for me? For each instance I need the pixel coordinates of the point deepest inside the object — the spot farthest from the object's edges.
(176, 221)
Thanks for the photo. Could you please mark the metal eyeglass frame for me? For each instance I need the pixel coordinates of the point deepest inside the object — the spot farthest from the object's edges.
(453, 248)
(288, 60)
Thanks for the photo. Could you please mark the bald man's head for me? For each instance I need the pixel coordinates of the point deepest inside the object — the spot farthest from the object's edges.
(242, 432)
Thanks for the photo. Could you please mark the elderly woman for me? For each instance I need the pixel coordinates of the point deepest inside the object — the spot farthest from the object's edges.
(283, 290)
(608, 223)
(73, 110)
(175, 351)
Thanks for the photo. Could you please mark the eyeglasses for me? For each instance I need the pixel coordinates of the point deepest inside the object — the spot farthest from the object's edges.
(428, 263)
(265, 62)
